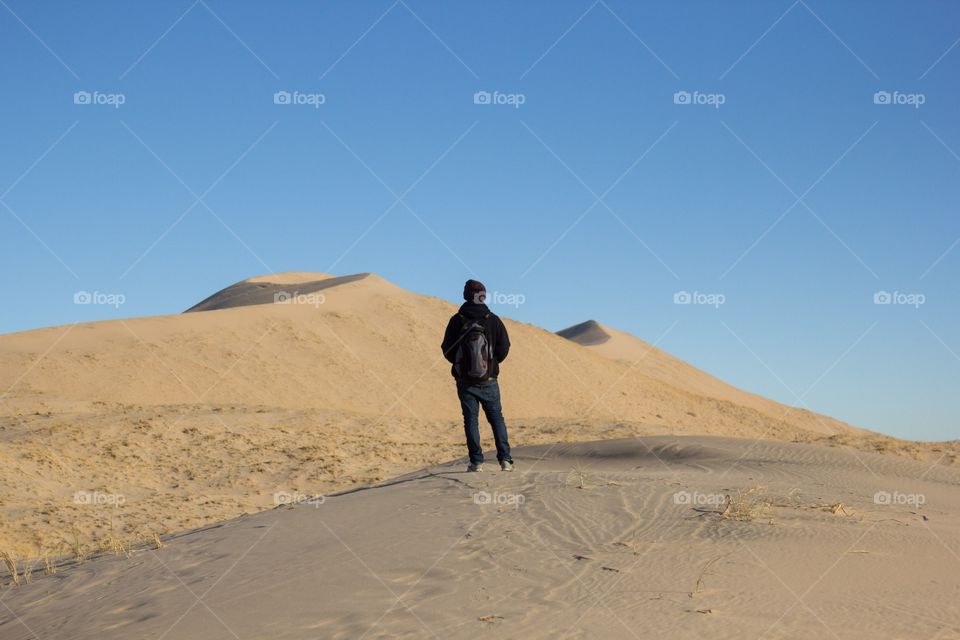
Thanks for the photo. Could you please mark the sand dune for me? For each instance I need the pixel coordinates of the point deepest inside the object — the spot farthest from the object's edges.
(360, 344)
(199, 417)
(662, 366)
(660, 537)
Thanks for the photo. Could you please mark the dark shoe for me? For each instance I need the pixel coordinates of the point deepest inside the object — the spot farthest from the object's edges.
(475, 468)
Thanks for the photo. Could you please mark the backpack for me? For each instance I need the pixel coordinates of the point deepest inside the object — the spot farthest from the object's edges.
(475, 352)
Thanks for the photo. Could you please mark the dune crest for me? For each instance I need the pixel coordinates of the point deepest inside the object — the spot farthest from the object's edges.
(272, 288)
(291, 277)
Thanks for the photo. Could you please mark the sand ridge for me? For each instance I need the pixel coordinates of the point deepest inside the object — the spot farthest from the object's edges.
(278, 288)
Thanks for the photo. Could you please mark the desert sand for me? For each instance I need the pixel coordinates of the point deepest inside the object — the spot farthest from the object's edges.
(119, 434)
(659, 537)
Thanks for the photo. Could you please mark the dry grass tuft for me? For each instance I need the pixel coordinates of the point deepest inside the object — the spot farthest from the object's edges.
(577, 477)
(10, 562)
(114, 544)
(12, 566)
(78, 550)
(837, 508)
(746, 506)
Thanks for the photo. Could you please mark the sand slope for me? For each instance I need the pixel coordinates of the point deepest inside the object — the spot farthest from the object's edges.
(658, 364)
(355, 343)
(589, 540)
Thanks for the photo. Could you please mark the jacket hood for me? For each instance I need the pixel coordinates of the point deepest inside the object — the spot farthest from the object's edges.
(474, 310)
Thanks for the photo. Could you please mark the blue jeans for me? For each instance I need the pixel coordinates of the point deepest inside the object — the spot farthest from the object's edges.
(487, 395)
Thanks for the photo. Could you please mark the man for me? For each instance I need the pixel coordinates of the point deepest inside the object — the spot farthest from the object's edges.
(475, 343)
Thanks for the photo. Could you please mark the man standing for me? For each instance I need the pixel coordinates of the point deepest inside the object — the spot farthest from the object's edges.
(475, 343)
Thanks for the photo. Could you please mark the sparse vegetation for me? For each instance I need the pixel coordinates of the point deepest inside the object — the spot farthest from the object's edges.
(837, 508)
(577, 477)
(78, 550)
(158, 543)
(10, 563)
(747, 505)
(113, 543)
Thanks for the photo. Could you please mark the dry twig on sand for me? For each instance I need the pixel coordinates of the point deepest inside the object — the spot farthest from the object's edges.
(703, 573)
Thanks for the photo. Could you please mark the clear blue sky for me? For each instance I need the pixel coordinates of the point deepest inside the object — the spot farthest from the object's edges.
(797, 199)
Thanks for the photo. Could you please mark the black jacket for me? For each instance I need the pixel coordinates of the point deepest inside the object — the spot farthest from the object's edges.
(495, 331)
